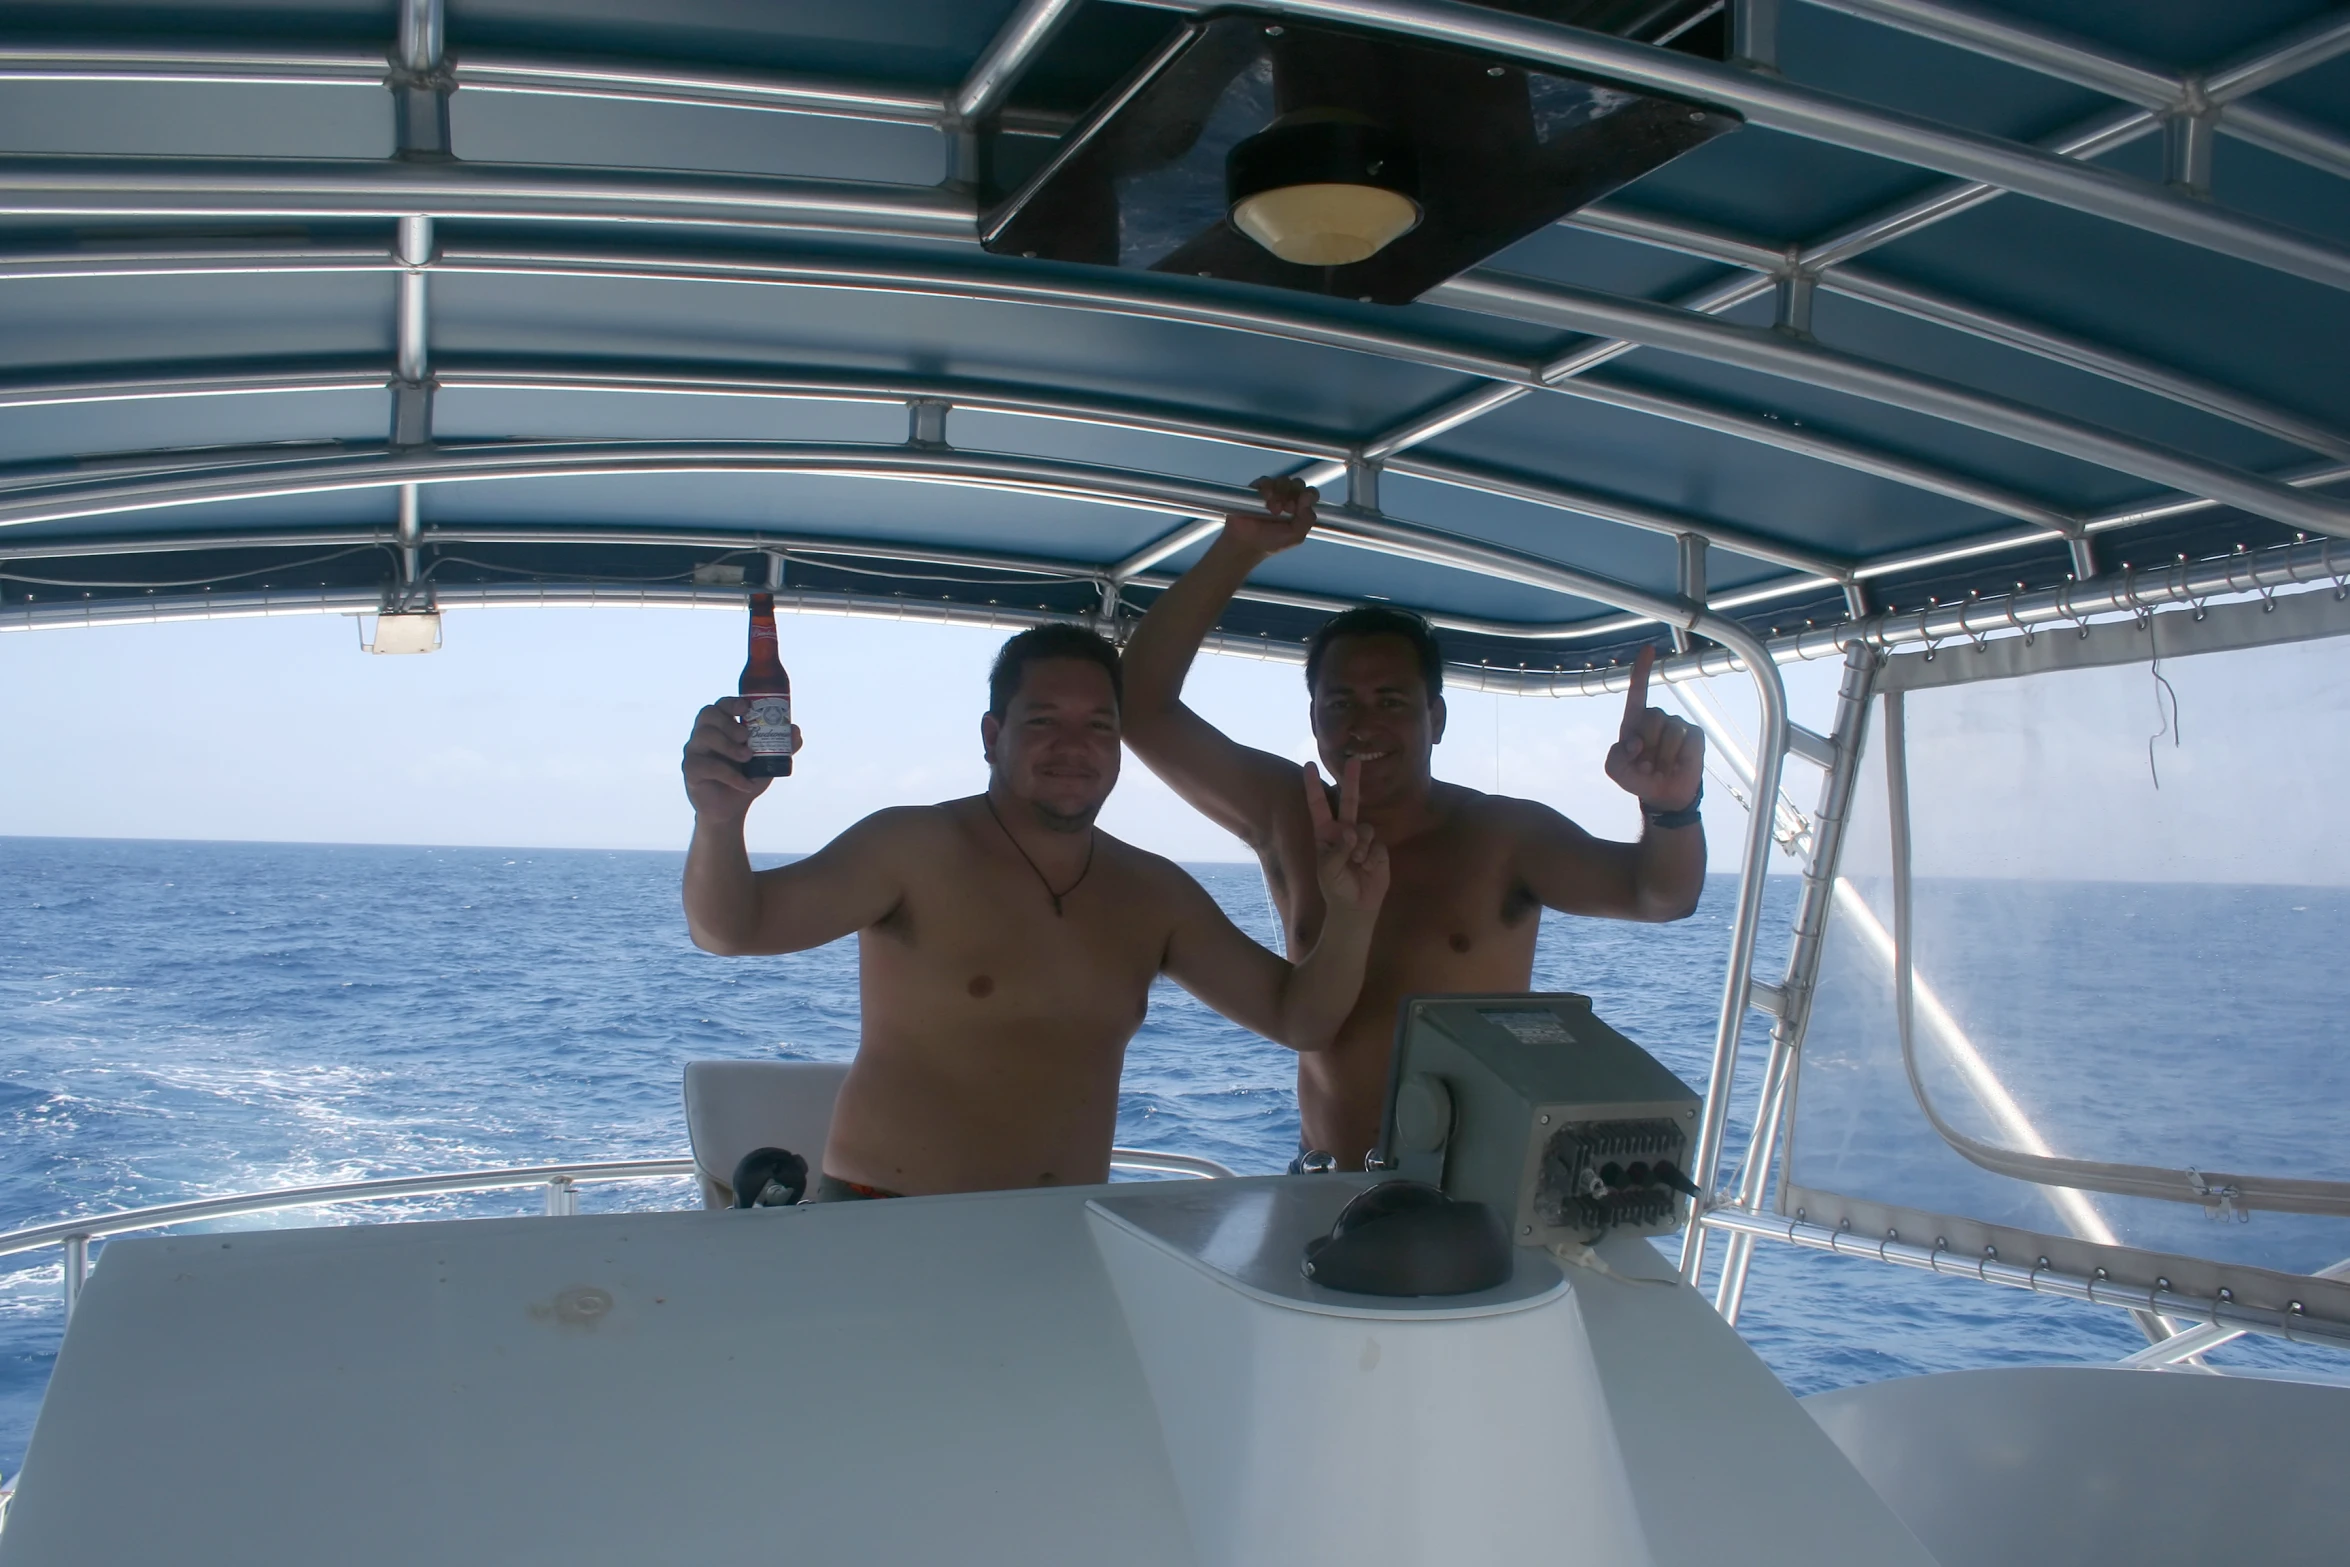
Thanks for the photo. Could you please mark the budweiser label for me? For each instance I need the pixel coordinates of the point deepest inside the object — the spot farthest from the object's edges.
(770, 725)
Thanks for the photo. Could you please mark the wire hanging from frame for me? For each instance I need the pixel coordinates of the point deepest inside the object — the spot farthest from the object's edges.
(2166, 721)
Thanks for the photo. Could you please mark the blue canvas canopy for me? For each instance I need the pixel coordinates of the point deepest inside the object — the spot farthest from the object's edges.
(348, 305)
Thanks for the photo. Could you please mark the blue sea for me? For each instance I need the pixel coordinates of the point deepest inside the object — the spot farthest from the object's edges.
(188, 1019)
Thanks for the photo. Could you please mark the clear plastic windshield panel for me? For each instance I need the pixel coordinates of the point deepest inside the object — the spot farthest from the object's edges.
(2126, 915)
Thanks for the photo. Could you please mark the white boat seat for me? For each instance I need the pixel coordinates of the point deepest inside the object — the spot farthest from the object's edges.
(2096, 1466)
(732, 1107)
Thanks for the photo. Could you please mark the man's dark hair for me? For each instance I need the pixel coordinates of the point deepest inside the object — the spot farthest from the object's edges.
(1055, 641)
(1380, 620)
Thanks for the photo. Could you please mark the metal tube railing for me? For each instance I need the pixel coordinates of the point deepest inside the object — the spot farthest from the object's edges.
(1257, 317)
(87, 189)
(1913, 998)
(668, 380)
(1672, 329)
(2291, 1324)
(1737, 988)
(560, 1180)
(1770, 101)
(2117, 593)
(163, 1215)
(1803, 962)
(1021, 38)
(2196, 1342)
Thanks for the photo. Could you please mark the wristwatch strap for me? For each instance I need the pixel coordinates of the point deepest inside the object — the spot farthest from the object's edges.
(1686, 816)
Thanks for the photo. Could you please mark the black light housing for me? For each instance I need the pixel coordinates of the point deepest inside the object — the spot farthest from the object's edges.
(1263, 149)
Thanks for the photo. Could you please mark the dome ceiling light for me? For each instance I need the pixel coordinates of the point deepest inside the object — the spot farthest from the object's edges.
(1262, 149)
(1324, 188)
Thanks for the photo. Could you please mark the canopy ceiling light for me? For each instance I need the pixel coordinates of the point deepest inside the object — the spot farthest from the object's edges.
(1324, 188)
(1263, 149)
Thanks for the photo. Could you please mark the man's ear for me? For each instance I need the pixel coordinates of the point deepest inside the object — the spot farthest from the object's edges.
(1436, 716)
(991, 729)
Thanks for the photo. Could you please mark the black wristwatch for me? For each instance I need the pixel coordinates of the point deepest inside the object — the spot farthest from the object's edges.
(1686, 816)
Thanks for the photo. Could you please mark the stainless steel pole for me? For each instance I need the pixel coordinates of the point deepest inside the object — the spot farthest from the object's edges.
(408, 533)
(2292, 1324)
(77, 1270)
(1803, 961)
(420, 111)
(1017, 43)
(1770, 757)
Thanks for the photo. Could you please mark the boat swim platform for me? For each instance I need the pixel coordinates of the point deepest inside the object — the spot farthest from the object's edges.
(1136, 1373)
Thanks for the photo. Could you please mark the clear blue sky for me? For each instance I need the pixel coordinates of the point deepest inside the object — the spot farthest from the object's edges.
(561, 728)
(549, 728)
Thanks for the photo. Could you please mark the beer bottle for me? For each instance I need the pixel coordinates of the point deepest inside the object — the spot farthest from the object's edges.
(769, 691)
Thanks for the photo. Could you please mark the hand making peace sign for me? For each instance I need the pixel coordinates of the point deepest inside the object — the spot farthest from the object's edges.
(1350, 863)
(1658, 759)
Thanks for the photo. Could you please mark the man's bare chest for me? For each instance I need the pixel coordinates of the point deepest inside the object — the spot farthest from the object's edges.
(1455, 890)
(968, 924)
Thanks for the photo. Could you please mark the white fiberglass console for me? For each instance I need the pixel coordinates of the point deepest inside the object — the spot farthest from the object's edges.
(1136, 1374)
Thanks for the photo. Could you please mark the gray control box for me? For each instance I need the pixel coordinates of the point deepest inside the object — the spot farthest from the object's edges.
(1533, 1106)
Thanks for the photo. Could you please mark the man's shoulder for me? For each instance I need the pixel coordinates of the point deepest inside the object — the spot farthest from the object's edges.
(1158, 875)
(911, 823)
(1509, 814)
(1134, 860)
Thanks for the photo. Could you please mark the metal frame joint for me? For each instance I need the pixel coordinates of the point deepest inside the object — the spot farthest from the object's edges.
(1796, 288)
(2083, 550)
(2189, 138)
(1815, 748)
(411, 412)
(420, 114)
(421, 79)
(926, 422)
(1690, 581)
(1754, 34)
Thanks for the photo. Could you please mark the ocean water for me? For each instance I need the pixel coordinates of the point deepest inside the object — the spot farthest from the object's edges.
(189, 1019)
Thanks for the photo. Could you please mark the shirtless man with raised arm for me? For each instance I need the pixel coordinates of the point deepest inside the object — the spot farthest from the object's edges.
(1006, 946)
(1472, 872)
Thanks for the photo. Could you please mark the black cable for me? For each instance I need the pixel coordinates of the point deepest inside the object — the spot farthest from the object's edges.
(7, 575)
(444, 559)
(1038, 579)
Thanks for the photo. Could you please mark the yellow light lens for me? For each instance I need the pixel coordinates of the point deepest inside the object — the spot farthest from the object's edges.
(1326, 225)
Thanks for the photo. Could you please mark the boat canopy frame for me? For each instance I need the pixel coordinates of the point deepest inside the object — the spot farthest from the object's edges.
(426, 184)
(2164, 617)
(1980, 444)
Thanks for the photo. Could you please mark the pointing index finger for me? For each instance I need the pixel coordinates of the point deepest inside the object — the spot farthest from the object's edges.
(1636, 694)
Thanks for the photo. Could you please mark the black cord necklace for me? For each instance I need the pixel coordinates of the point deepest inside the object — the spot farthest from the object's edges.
(1032, 865)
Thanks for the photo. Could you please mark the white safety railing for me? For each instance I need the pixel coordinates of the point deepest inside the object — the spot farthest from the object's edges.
(561, 1182)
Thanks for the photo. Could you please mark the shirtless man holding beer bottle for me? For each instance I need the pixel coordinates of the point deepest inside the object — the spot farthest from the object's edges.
(1006, 945)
